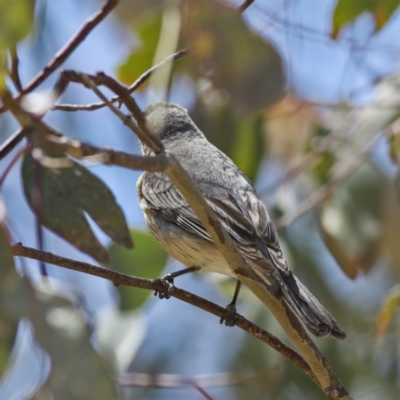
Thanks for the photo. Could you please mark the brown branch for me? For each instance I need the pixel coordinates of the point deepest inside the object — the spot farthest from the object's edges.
(14, 160)
(11, 142)
(139, 82)
(14, 73)
(79, 150)
(73, 43)
(119, 278)
(93, 81)
(245, 5)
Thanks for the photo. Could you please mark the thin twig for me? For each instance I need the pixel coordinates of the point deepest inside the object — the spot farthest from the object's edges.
(79, 150)
(11, 142)
(92, 81)
(73, 43)
(14, 73)
(245, 5)
(12, 163)
(139, 82)
(119, 278)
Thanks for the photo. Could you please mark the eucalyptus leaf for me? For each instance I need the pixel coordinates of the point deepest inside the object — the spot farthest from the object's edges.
(16, 18)
(352, 220)
(65, 195)
(347, 10)
(141, 58)
(252, 77)
(248, 148)
(388, 310)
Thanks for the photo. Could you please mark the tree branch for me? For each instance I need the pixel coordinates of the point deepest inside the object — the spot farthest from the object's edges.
(11, 142)
(139, 82)
(73, 43)
(119, 278)
(79, 150)
(245, 5)
(14, 73)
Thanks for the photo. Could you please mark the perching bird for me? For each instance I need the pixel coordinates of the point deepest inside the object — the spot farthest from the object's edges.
(234, 200)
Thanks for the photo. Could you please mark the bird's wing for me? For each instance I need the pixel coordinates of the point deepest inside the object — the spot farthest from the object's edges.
(241, 213)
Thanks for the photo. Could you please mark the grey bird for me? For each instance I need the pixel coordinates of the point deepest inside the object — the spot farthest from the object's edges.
(234, 200)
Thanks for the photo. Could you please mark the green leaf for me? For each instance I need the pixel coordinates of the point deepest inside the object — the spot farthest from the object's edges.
(147, 261)
(347, 10)
(16, 18)
(65, 195)
(248, 148)
(224, 51)
(323, 167)
(141, 59)
(387, 311)
(352, 220)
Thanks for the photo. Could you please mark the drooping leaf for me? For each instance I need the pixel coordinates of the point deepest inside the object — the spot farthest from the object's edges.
(248, 148)
(253, 76)
(147, 261)
(65, 195)
(351, 220)
(387, 311)
(347, 10)
(16, 19)
(323, 167)
(141, 59)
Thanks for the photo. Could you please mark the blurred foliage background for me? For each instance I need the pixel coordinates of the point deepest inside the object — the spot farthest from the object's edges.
(304, 96)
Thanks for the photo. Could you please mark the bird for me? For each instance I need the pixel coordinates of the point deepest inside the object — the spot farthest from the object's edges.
(234, 200)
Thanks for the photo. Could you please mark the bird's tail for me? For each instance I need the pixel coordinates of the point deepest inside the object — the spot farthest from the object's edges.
(316, 318)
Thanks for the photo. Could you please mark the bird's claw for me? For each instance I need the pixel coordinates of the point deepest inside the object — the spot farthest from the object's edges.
(229, 317)
(168, 281)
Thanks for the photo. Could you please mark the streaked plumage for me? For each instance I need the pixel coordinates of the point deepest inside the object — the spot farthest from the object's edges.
(233, 198)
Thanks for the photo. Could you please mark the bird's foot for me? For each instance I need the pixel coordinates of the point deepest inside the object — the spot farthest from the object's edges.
(168, 281)
(229, 317)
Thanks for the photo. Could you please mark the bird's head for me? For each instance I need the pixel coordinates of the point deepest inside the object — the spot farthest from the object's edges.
(170, 122)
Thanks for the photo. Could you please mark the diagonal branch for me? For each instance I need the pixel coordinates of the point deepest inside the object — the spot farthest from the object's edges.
(73, 43)
(244, 6)
(11, 142)
(119, 278)
(132, 88)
